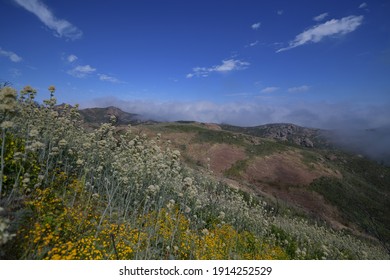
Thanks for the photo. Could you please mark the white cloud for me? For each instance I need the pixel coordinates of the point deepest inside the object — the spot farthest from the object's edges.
(280, 12)
(330, 28)
(61, 27)
(72, 58)
(363, 5)
(269, 89)
(106, 78)
(81, 71)
(320, 17)
(11, 55)
(230, 65)
(226, 66)
(253, 43)
(256, 25)
(298, 89)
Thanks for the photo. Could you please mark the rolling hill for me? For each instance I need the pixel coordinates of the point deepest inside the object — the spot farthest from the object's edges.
(292, 166)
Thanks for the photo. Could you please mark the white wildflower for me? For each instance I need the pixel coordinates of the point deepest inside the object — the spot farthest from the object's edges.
(176, 154)
(33, 133)
(87, 145)
(171, 204)
(62, 143)
(187, 181)
(7, 124)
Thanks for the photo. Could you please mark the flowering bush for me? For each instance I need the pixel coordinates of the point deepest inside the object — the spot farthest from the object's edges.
(106, 194)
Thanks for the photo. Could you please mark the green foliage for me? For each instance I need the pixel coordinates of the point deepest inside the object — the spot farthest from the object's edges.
(235, 170)
(184, 127)
(214, 136)
(362, 203)
(266, 147)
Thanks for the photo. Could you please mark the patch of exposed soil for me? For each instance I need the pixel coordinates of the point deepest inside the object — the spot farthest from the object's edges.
(285, 177)
(285, 169)
(222, 156)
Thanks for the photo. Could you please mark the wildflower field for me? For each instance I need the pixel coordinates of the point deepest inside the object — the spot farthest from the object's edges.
(70, 193)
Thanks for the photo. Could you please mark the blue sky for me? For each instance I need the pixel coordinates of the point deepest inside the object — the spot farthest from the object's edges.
(314, 63)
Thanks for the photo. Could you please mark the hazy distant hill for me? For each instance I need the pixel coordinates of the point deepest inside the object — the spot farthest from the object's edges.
(94, 117)
(306, 137)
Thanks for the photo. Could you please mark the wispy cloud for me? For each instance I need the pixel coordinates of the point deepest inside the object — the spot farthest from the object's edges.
(61, 27)
(72, 58)
(11, 55)
(256, 25)
(15, 72)
(280, 12)
(269, 89)
(303, 88)
(81, 71)
(332, 27)
(363, 5)
(107, 78)
(320, 17)
(226, 66)
(253, 43)
(242, 94)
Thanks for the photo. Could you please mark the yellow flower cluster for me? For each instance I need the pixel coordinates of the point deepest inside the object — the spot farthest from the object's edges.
(178, 240)
(61, 232)
(224, 242)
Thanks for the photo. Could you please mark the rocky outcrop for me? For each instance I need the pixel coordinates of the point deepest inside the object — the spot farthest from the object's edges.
(305, 137)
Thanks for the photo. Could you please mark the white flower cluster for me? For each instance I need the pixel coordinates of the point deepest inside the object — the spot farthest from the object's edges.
(5, 236)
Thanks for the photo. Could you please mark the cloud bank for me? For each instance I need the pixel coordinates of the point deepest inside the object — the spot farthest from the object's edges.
(61, 27)
(330, 28)
(363, 129)
(323, 115)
